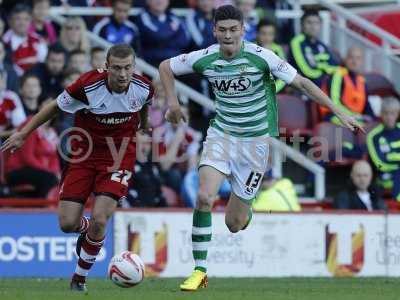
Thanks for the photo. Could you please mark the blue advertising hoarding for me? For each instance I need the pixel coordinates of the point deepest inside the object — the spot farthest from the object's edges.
(32, 245)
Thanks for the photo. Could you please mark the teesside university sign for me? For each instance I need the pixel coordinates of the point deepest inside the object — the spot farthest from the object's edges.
(275, 245)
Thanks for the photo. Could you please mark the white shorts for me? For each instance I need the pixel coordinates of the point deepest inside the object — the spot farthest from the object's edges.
(242, 160)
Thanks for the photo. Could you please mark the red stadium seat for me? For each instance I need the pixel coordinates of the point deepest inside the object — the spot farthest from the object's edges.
(293, 115)
(334, 136)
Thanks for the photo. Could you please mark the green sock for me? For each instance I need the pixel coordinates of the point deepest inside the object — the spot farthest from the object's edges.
(201, 237)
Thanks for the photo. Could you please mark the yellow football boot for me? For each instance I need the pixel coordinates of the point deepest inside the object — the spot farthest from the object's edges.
(197, 280)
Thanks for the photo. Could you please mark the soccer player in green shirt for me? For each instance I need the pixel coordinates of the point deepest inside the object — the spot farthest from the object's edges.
(236, 146)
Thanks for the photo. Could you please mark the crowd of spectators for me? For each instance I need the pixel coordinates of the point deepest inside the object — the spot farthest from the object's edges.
(39, 58)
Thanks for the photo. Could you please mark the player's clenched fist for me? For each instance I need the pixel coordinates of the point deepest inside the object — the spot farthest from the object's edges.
(14, 142)
(174, 115)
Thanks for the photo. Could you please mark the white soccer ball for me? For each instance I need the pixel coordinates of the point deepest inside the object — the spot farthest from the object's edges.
(126, 269)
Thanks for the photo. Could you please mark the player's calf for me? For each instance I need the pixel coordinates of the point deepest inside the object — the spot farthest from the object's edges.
(204, 201)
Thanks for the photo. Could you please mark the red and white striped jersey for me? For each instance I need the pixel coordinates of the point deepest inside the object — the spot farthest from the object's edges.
(104, 115)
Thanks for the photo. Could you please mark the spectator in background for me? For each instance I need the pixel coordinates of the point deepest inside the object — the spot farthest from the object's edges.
(97, 58)
(50, 72)
(276, 195)
(384, 147)
(178, 148)
(12, 79)
(266, 33)
(311, 57)
(30, 92)
(251, 19)
(145, 187)
(26, 48)
(40, 24)
(190, 188)
(66, 120)
(360, 194)
(12, 113)
(2, 26)
(36, 162)
(347, 89)
(117, 29)
(162, 34)
(79, 60)
(199, 23)
(73, 35)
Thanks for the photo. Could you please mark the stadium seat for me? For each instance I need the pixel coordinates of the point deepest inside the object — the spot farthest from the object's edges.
(378, 84)
(334, 136)
(293, 115)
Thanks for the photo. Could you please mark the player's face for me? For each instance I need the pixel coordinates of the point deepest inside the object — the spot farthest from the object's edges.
(120, 71)
(312, 26)
(266, 35)
(229, 34)
(121, 11)
(389, 117)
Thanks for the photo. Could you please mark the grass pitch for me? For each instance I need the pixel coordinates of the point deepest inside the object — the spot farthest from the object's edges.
(219, 289)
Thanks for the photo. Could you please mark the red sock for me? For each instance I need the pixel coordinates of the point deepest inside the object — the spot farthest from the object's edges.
(90, 250)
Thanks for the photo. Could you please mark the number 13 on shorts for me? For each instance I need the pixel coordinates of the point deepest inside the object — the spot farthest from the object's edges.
(253, 181)
(121, 176)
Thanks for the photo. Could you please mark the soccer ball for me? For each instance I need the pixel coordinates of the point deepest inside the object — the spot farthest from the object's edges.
(126, 269)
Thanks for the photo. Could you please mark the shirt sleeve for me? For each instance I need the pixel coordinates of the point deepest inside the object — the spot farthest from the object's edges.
(69, 104)
(279, 68)
(183, 64)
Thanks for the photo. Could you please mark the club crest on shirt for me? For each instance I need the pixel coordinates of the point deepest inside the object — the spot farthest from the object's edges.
(66, 99)
(133, 104)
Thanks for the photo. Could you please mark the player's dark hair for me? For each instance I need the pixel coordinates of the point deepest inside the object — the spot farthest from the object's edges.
(265, 22)
(228, 12)
(120, 51)
(310, 13)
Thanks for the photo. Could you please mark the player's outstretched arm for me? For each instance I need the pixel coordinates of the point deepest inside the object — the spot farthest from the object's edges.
(307, 87)
(16, 140)
(174, 113)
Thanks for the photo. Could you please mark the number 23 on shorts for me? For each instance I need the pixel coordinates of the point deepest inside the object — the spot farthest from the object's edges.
(121, 176)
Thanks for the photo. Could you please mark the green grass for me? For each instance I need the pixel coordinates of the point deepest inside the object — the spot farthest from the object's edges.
(219, 289)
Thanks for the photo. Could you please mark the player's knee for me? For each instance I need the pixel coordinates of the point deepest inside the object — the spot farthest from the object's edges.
(204, 201)
(234, 224)
(68, 226)
(98, 223)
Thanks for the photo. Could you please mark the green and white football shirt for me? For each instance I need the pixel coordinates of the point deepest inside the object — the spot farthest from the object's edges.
(244, 87)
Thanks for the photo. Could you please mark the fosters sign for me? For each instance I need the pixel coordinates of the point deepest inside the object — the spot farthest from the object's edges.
(274, 245)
